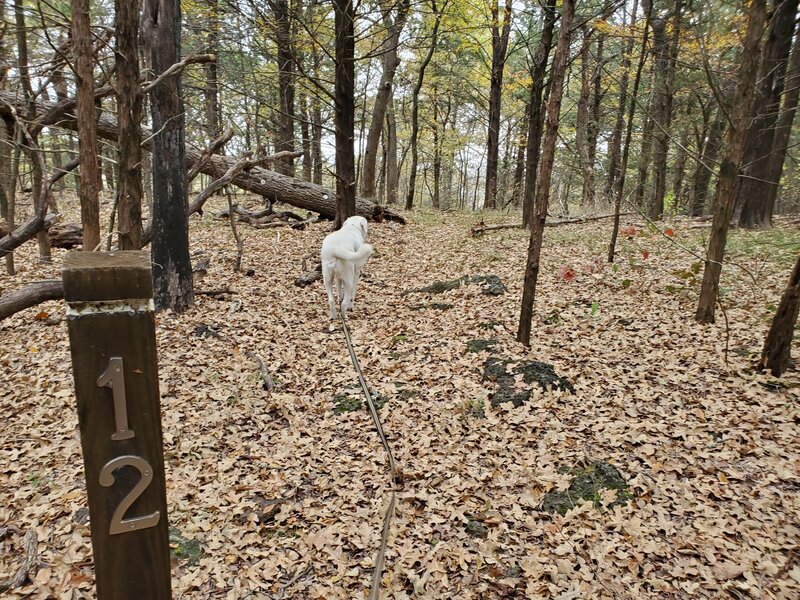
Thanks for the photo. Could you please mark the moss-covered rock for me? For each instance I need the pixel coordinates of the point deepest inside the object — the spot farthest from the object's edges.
(433, 305)
(480, 345)
(585, 487)
(496, 369)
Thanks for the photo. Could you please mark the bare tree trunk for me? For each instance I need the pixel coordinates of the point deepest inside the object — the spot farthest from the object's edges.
(783, 128)
(587, 122)
(129, 108)
(778, 344)
(666, 55)
(89, 186)
(519, 168)
(213, 115)
(619, 121)
(344, 104)
(619, 182)
(391, 60)
(412, 176)
(172, 269)
(704, 170)
(284, 141)
(499, 50)
(545, 172)
(36, 167)
(755, 187)
(728, 183)
(392, 171)
(537, 111)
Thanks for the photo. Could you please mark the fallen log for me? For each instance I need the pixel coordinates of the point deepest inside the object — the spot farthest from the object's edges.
(481, 228)
(258, 180)
(31, 295)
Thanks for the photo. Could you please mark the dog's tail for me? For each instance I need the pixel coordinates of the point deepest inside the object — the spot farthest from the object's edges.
(362, 253)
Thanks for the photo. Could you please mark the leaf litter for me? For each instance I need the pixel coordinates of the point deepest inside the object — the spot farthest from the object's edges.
(279, 495)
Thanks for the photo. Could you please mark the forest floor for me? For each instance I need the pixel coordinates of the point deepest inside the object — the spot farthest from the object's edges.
(282, 494)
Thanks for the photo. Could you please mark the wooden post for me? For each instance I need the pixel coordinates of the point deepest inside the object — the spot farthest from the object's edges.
(112, 340)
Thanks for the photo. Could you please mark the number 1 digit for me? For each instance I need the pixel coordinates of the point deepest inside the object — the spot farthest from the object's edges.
(114, 377)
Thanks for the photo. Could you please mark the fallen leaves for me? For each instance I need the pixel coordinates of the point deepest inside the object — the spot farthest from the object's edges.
(285, 498)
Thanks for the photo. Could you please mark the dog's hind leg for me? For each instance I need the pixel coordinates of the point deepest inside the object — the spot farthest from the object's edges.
(349, 284)
(327, 280)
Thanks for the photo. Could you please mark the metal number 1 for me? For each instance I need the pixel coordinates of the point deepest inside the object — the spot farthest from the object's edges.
(114, 377)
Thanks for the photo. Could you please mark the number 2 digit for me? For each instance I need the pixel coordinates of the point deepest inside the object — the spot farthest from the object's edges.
(118, 524)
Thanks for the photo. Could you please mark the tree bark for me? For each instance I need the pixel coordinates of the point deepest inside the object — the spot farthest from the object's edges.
(619, 121)
(412, 177)
(783, 128)
(545, 173)
(778, 344)
(619, 182)
(500, 36)
(756, 212)
(537, 111)
(704, 170)
(37, 161)
(729, 175)
(89, 183)
(172, 269)
(129, 139)
(211, 103)
(391, 60)
(286, 81)
(392, 170)
(344, 107)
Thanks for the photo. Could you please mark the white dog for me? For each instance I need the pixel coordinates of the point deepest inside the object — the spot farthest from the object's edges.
(344, 253)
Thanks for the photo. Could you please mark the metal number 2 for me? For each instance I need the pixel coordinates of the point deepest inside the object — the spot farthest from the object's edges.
(118, 524)
(114, 377)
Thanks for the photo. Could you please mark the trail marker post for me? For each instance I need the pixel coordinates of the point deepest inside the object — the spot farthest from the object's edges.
(112, 340)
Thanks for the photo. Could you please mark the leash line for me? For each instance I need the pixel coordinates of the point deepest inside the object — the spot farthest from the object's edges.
(381, 556)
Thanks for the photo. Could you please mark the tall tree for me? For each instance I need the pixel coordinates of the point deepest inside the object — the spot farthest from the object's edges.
(545, 172)
(212, 108)
(619, 121)
(412, 176)
(286, 79)
(783, 128)
(665, 59)
(172, 269)
(89, 184)
(756, 212)
(729, 173)
(619, 182)
(500, 35)
(393, 23)
(537, 110)
(344, 110)
(129, 109)
(30, 99)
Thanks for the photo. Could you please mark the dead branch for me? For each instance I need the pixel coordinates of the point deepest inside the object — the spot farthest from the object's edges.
(30, 295)
(206, 154)
(482, 228)
(30, 563)
(309, 277)
(269, 384)
(177, 67)
(260, 181)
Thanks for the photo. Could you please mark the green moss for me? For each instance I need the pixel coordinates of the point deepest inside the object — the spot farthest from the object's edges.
(585, 486)
(183, 548)
(496, 369)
